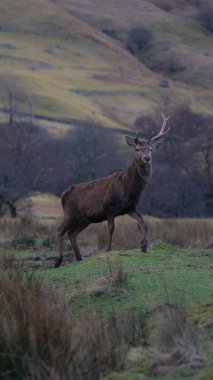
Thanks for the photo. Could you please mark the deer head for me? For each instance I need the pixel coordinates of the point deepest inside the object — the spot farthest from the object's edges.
(143, 148)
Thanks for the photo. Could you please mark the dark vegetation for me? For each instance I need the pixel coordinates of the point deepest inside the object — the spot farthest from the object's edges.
(141, 42)
(183, 166)
(206, 17)
(139, 39)
(159, 54)
(34, 160)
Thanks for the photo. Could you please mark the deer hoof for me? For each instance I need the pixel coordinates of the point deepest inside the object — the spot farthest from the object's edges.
(58, 262)
(79, 258)
(144, 247)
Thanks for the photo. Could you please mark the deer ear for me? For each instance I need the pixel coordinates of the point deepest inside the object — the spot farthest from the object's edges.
(130, 141)
(157, 143)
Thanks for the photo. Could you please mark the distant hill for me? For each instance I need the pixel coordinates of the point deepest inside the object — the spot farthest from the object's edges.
(72, 55)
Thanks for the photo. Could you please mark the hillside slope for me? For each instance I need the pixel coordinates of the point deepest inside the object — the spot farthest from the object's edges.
(163, 298)
(58, 51)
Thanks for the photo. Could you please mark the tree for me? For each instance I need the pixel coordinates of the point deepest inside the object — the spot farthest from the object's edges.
(89, 152)
(138, 40)
(21, 146)
(186, 161)
(15, 98)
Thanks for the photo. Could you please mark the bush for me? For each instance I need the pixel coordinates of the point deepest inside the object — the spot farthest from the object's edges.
(165, 5)
(206, 18)
(138, 40)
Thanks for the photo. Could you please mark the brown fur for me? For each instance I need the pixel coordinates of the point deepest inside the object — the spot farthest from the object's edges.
(106, 198)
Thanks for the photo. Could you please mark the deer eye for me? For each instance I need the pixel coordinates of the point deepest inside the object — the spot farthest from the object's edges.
(151, 148)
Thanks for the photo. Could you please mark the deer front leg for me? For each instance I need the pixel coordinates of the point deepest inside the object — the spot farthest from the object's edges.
(111, 226)
(136, 215)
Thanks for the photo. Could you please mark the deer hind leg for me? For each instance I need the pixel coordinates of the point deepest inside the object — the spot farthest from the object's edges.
(72, 233)
(60, 233)
(111, 226)
(136, 215)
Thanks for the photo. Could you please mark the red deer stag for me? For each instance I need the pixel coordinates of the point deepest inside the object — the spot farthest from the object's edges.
(108, 197)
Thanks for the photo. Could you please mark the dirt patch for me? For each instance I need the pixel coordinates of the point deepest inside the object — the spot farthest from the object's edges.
(98, 284)
(102, 286)
(179, 358)
(148, 270)
(45, 262)
(203, 267)
(116, 292)
(200, 254)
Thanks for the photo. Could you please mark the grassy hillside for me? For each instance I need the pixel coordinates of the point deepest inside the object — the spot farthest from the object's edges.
(118, 315)
(157, 306)
(57, 50)
(178, 32)
(164, 274)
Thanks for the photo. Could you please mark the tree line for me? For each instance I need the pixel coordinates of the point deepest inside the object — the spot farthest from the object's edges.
(182, 184)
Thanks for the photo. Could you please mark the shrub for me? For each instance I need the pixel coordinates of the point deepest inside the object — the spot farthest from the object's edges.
(206, 18)
(165, 5)
(138, 40)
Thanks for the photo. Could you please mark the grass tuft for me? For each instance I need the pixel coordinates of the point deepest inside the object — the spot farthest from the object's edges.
(177, 339)
(117, 275)
(41, 338)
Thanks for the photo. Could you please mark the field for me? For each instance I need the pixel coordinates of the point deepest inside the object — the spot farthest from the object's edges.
(138, 316)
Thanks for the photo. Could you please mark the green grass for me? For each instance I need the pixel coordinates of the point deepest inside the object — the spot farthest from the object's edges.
(125, 283)
(165, 273)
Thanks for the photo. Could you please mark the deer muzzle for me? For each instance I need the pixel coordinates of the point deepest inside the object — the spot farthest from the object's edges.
(147, 158)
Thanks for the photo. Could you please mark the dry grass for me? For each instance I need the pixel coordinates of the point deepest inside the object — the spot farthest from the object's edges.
(41, 338)
(182, 232)
(187, 233)
(117, 275)
(24, 228)
(113, 282)
(177, 339)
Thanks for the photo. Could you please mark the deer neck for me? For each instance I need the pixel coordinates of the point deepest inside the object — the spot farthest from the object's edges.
(136, 177)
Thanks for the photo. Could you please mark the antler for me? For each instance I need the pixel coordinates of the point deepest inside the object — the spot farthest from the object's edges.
(136, 138)
(162, 131)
